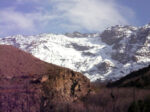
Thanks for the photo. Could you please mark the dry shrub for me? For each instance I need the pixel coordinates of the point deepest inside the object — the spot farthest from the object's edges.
(108, 100)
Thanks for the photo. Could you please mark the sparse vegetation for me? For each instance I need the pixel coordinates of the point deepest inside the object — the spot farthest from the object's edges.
(138, 79)
(140, 106)
(110, 100)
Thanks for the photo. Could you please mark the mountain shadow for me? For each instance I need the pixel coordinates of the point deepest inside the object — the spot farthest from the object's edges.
(139, 79)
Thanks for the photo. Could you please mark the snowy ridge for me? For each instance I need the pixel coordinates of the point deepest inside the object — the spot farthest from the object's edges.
(107, 56)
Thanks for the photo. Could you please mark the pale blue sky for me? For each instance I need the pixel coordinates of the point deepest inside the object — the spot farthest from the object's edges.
(29, 17)
(141, 8)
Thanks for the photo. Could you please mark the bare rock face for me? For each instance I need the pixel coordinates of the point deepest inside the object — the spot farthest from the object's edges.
(116, 33)
(104, 67)
(127, 42)
(111, 36)
(36, 86)
(64, 87)
(79, 35)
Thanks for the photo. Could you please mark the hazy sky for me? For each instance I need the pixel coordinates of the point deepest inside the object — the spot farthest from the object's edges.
(31, 17)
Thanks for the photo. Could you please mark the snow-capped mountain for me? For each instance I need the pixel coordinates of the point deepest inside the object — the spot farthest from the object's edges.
(107, 56)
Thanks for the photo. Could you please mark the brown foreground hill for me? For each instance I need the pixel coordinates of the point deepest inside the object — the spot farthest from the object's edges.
(28, 84)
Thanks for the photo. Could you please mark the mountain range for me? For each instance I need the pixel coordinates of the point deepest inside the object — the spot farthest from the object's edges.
(109, 55)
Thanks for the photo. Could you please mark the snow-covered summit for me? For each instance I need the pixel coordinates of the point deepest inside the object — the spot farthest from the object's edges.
(107, 56)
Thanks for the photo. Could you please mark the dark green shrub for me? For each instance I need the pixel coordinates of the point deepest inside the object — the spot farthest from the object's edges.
(140, 106)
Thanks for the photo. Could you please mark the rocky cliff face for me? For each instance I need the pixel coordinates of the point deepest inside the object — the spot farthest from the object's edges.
(129, 44)
(109, 55)
(66, 87)
(29, 84)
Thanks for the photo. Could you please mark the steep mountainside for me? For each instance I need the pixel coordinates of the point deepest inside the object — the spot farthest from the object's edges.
(28, 84)
(109, 55)
(139, 79)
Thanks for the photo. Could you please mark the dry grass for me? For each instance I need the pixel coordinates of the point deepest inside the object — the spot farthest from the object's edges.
(107, 100)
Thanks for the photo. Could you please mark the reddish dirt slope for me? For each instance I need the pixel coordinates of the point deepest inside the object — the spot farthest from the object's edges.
(14, 62)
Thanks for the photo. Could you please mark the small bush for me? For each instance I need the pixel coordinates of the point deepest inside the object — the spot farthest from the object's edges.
(140, 106)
